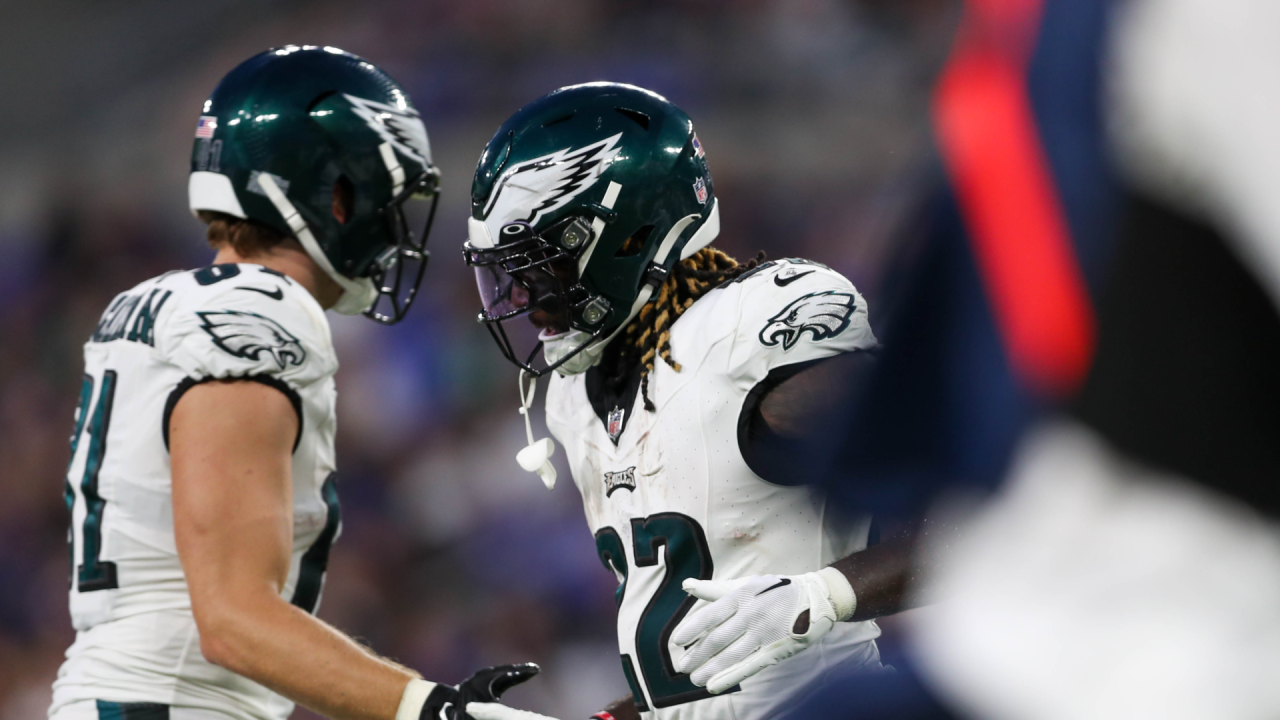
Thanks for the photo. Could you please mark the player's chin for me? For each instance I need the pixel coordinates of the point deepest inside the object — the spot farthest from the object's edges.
(549, 326)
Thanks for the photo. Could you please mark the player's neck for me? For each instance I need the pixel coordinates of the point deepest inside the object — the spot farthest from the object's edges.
(289, 258)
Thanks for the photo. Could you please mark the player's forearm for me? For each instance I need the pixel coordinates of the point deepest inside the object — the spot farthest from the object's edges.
(624, 709)
(278, 645)
(880, 577)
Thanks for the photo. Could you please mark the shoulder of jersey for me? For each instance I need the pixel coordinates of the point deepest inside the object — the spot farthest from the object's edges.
(788, 278)
(760, 294)
(783, 312)
(243, 316)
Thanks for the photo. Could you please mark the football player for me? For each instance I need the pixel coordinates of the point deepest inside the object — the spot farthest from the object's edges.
(201, 483)
(681, 379)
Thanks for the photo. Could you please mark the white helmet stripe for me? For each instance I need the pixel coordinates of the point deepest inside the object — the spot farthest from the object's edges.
(393, 168)
(597, 225)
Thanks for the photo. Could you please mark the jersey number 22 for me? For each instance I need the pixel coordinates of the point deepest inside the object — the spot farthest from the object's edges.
(687, 556)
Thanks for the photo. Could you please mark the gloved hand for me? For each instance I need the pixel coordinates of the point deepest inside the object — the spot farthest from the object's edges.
(498, 711)
(485, 686)
(757, 621)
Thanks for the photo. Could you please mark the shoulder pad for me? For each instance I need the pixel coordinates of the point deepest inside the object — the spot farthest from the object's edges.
(794, 311)
(242, 324)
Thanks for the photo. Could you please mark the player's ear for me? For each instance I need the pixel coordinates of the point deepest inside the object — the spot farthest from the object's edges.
(344, 198)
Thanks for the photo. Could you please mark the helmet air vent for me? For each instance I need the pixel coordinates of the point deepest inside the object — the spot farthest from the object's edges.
(557, 121)
(344, 199)
(640, 118)
(635, 243)
(319, 99)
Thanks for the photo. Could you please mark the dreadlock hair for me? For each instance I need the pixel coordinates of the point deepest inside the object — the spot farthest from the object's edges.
(648, 336)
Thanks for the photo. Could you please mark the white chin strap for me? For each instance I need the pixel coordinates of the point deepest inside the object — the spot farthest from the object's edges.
(708, 232)
(359, 294)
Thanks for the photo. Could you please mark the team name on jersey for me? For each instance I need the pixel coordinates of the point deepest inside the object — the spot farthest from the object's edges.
(619, 480)
(132, 317)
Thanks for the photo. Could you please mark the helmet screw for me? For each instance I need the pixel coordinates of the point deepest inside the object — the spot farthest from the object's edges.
(575, 235)
(595, 311)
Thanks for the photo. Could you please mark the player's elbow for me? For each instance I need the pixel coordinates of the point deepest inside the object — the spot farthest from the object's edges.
(218, 649)
(226, 635)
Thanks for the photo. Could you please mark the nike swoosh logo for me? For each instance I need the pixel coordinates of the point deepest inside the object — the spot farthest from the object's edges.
(783, 282)
(277, 295)
(780, 583)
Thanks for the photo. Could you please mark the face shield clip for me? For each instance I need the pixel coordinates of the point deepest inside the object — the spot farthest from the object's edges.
(575, 235)
(596, 311)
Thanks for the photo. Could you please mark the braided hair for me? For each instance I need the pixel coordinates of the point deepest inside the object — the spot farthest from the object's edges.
(648, 336)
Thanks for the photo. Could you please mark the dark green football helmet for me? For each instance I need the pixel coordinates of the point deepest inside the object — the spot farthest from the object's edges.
(289, 128)
(582, 203)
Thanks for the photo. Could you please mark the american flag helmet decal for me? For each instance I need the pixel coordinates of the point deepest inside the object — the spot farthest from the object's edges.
(206, 125)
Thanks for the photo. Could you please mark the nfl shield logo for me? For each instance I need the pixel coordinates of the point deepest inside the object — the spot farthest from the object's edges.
(700, 191)
(615, 422)
(206, 125)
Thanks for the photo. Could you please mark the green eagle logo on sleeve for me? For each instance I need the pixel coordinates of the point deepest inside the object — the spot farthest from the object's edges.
(822, 315)
(249, 335)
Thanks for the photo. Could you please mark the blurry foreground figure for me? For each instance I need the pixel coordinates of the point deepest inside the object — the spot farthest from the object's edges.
(1119, 555)
(680, 381)
(201, 483)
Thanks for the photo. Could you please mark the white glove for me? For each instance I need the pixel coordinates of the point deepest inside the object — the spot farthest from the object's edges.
(748, 625)
(498, 711)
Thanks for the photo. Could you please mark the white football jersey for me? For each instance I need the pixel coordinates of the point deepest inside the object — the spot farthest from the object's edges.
(669, 496)
(136, 638)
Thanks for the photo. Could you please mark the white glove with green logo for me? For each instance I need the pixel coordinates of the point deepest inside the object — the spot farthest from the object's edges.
(758, 621)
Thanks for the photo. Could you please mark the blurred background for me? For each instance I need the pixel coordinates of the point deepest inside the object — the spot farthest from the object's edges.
(816, 127)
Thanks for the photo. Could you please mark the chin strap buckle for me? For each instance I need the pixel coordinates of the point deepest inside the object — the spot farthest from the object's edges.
(655, 275)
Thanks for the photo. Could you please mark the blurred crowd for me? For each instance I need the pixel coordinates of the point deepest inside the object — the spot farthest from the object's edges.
(450, 558)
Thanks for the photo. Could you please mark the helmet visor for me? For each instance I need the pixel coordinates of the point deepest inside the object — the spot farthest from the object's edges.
(500, 294)
(523, 274)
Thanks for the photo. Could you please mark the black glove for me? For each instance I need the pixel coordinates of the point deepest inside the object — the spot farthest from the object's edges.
(487, 685)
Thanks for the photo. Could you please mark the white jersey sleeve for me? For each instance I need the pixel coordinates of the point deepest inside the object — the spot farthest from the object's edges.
(242, 329)
(792, 312)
